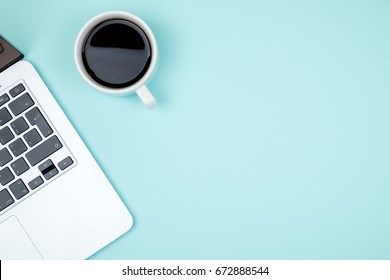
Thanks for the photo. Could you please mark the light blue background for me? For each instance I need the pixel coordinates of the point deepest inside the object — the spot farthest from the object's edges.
(271, 138)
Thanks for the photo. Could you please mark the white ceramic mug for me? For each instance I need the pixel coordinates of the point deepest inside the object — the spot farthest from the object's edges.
(139, 86)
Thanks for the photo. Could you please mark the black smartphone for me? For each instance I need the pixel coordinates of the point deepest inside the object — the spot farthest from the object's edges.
(8, 54)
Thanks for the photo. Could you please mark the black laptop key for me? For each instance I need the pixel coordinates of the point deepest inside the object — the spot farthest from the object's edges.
(5, 199)
(46, 166)
(18, 189)
(65, 163)
(6, 135)
(6, 176)
(5, 116)
(21, 104)
(17, 90)
(43, 150)
(19, 125)
(32, 137)
(5, 157)
(17, 147)
(4, 99)
(19, 166)
(35, 183)
(51, 173)
(35, 117)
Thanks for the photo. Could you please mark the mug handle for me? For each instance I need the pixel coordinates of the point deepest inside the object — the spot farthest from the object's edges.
(146, 96)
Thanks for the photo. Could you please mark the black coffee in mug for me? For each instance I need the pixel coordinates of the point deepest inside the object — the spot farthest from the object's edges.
(116, 53)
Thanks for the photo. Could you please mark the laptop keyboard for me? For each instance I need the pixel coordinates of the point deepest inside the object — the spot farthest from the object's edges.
(32, 154)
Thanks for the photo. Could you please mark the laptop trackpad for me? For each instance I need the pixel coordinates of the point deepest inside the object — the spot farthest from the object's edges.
(15, 243)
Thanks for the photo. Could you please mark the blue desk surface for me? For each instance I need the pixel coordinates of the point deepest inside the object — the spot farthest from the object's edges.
(271, 138)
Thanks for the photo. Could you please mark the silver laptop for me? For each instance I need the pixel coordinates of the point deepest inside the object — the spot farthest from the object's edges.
(55, 202)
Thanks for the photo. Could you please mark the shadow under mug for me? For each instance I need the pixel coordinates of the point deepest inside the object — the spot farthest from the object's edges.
(139, 86)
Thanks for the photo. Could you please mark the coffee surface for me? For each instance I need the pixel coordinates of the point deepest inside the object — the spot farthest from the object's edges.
(116, 53)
